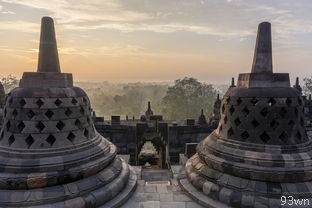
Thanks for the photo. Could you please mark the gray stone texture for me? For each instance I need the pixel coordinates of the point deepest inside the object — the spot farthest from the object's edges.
(262, 61)
(50, 153)
(48, 60)
(260, 150)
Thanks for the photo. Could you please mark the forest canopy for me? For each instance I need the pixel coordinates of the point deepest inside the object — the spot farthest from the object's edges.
(183, 99)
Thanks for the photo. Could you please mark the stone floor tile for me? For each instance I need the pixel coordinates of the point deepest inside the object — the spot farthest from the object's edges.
(172, 205)
(179, 197)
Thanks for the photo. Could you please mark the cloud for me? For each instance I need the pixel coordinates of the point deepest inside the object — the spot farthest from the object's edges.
(82, 11)
(228, 19)
(120, 15)
(116, 50)
(20, 26)
(2, 11)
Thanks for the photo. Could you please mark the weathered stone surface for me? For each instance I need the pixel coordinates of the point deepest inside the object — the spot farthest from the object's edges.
(50, 153)
(260, 150)
(48, 60)
(262, 61)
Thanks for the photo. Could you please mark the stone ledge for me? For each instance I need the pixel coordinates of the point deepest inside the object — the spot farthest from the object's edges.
(196, 195)
(127, 192)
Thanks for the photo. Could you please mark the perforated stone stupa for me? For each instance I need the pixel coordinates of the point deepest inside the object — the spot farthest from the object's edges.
(50, 153)
(260, 150)
(2, 98)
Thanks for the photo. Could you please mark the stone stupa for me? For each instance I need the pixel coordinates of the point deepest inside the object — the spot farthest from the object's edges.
(149, 112)
(2, 99)
(50, 153)
(260, 150)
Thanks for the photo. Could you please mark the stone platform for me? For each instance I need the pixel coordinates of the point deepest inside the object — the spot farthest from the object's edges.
(159, 195)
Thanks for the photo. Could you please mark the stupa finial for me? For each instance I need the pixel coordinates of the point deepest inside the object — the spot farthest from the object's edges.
(262, 61)
(149, 105)
(297, 81)
(232, 82)
(48, 55)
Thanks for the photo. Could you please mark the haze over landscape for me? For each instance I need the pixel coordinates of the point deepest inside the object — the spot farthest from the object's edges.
(137, 40)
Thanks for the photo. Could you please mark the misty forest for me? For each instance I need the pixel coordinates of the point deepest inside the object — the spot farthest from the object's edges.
(175, 101)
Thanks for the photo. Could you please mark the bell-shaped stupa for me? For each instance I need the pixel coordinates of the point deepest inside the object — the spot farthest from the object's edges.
(50, 153)
(260, 150)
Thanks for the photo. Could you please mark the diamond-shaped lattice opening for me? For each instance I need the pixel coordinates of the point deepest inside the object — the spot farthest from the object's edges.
(273, 124)
(8, 125)
(84, 100)
(10, 101)
(14, 113)
(264, 112)
(237, 122)
(271, 102)
(60, 125)
(71, 137)
(232, 109)
(230, 132)
(299, 101)
(245, 135)
(223, 108)
(296, 112)
(74, 101)
(82, 111)
(245, 111)
(283, 137)
(255, 123)
(78, 123)
(291, 123)
(11, 140)
(301, 122)
(49, 114)
(288, 101)
(22, 102)
(68, 112)
(283, 112)
(40, 126)
(58, 102)
(299, 135)
(21, 126)
(88, 120)
(51, 139)
(265, 137)
(30, 114)
(239, 101)
(29, 140)
(228, 99)
(39, 103)
(225, 119)
(254, 101)
(86, 133)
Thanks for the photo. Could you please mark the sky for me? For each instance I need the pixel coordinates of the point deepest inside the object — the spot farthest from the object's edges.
(163, 40)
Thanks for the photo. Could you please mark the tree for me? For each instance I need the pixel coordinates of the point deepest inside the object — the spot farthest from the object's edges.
(307, 87)
(186, 98)
(9, 82)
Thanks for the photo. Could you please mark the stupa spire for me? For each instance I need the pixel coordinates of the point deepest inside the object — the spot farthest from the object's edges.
(232, 82)
(48, 55)
(262, 61)
(149, 105)
(149, 111)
